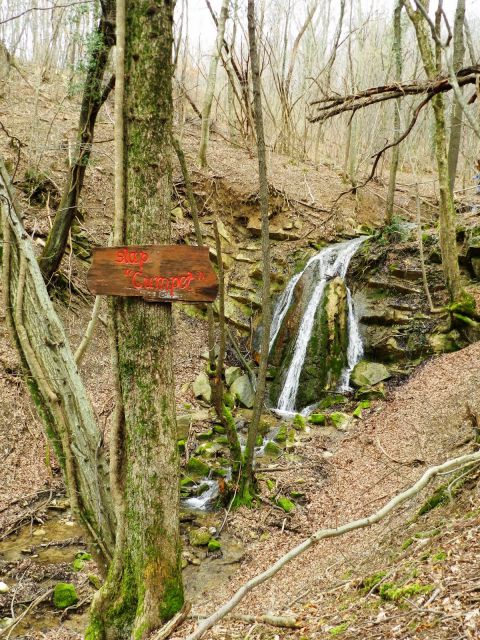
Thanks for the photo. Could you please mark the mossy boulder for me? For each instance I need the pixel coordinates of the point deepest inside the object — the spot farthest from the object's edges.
(272, 449)
(317, 418)
(368, 374)
(371, 393)
(444, 342)
(242, 389)
(64, 595)
(197, 468)
(214, 545)
(199, 537)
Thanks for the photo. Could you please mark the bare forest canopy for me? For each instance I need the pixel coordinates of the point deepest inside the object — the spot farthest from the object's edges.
(314, 56)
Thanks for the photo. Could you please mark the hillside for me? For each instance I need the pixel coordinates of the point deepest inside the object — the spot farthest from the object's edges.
(427, 411)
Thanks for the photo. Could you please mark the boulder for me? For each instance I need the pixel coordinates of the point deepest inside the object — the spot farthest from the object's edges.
(272, 449)
(367, 374)
(242, 389)
(201, 387)
(199, 537)
(444, 342)
(231, 374)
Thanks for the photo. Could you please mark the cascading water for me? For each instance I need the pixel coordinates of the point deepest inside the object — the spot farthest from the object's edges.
(330, 262)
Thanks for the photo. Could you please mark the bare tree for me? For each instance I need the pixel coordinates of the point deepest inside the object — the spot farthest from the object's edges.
(397, 54)
(210, 89)
(457, 111)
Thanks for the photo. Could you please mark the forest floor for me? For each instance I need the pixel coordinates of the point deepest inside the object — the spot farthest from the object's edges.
(424, 421)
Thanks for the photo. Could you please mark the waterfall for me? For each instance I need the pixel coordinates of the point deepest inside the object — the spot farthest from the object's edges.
(330, 262)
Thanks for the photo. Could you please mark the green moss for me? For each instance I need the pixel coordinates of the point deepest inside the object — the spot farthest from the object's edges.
(281, 435)
(80, 560)
(392, 593)
(285, 504)
(64, 595)
(465, 306)
(440, 556)
(299, 422)
(214, 545)
(197, 468)
(272, 449)
(172, 599)
(339, 629)
(331, 400)
(206, 435)
(94, 581)
(370, 582)
(317, 418)
(408, 542)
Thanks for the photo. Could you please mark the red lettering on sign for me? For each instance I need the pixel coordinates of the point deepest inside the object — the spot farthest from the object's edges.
(123, 256)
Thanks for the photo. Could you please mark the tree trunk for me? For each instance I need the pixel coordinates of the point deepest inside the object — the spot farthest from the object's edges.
(397, 54)
(210, 90)
(93, 98)
(144, 587)
(457, 111)
(247, 484)
(52, 377)
(447, 217)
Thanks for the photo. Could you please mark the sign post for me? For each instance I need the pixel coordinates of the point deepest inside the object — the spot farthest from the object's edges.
(156, 273)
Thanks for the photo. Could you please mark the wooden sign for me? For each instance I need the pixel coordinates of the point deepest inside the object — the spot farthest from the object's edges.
(162, 273)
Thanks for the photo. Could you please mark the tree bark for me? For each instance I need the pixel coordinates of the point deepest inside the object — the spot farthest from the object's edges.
(210, 90)
(457, 111)
(397, 54)
(93, 98)
(247, 484)
(144, 587)
(447, 217)
(52, 377)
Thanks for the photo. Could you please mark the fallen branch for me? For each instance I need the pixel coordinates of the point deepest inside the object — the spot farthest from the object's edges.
(322, 534)
(287, 622)
(334, 105)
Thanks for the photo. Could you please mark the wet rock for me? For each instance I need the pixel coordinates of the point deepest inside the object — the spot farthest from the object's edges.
(242, 389)
(368, 373)
(64, 595)
(201, 387)
(199, 537)
(326, 353)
